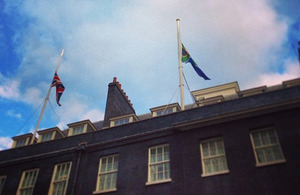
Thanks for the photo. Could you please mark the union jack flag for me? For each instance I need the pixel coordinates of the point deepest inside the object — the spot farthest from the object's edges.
(59, 87)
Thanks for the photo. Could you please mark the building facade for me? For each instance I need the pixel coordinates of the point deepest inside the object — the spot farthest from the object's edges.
(228, 142)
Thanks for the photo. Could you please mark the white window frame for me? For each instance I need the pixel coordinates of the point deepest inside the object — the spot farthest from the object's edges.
(153, 166)
(107, 173)
(73, 129)
(121, 120)
(25, 140)
(164, 112)
(2, 182)
(47, 134)
(60, 178)
(28, 181)
(264, 147)
(218, 156)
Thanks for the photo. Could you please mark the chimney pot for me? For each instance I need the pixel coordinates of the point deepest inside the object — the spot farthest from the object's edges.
(115, 79)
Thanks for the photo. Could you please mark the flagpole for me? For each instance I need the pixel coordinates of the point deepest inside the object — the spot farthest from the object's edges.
(46, 100)
(180, 64)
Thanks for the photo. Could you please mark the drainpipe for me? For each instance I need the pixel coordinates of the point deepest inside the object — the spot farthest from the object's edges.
(80, 148)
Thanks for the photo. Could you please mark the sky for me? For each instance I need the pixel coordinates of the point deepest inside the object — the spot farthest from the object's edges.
(253, 42)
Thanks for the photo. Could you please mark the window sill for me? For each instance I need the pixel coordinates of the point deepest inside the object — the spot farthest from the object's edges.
(270, 163)
(104, 191)
(217, 173)
(158, 182)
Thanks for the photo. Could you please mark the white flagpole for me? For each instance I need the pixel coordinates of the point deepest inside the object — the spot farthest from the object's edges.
(46, 100)
(180, 64)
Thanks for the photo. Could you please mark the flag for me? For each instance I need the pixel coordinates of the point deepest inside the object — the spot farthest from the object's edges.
(59, 87)
(187, 58)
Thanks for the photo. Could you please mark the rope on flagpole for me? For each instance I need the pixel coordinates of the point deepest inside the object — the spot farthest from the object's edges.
(63, 125)
(193, 98)
(31, 115)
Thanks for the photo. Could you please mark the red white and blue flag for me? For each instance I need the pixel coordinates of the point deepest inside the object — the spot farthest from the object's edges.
(59, 87)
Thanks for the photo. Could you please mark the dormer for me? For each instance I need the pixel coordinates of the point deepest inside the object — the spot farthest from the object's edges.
(80, 127)
(22, 140)
(291, 83)
(166, 109)
(50, 134)
(253, 91)
(216, 94)
(121, 120)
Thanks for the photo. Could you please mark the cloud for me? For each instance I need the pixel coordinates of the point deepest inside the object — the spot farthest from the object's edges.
(93, 115)
(5, 143)
(292, 71)
(12, 113)
(10, 89)
(137, 42)
(33, 96)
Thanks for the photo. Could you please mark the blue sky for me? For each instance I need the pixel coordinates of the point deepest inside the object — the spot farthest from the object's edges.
(253, 42)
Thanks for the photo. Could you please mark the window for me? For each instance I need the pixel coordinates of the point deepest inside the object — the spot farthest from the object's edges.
(46, 136)
(60, 179)
(165, 111)
(159, 164)
(2, 181)
(20, 143)
(107, 174)
(121, 121)
(27, 182)
(213, 157)
(266, 147)
(78, 129)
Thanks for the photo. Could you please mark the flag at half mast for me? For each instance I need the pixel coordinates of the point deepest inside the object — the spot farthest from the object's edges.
(187, 58)
(59, 87)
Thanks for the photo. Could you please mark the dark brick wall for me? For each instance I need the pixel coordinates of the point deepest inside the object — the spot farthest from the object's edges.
(131, 142)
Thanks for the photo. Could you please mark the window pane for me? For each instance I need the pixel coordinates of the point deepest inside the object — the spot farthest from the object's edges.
(107, 178)
(273, 138)
(28, 181)
(159, 168)
(220, 147)
(261, 155)
(61, 177)
(213, 156)
(46, 136)
(256, 139)
(277, 153)
(212, 148)
(269, 149)
(207, 166)
(264, 138)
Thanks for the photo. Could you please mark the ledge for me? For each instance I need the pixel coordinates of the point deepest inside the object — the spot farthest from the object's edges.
(158, 182)
(271, 163)
(105, 191)
(217, 173)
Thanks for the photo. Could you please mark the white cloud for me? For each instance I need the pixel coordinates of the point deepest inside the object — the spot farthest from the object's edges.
(137, 42)
(93, 115)
(33, 96)
(10, 89)
(12, 113)
(5, 143)
(292, 71)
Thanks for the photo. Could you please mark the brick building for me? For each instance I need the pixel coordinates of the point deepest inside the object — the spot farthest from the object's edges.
(228, 142)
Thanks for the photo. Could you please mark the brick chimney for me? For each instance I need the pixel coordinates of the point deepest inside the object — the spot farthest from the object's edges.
(117, 103)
